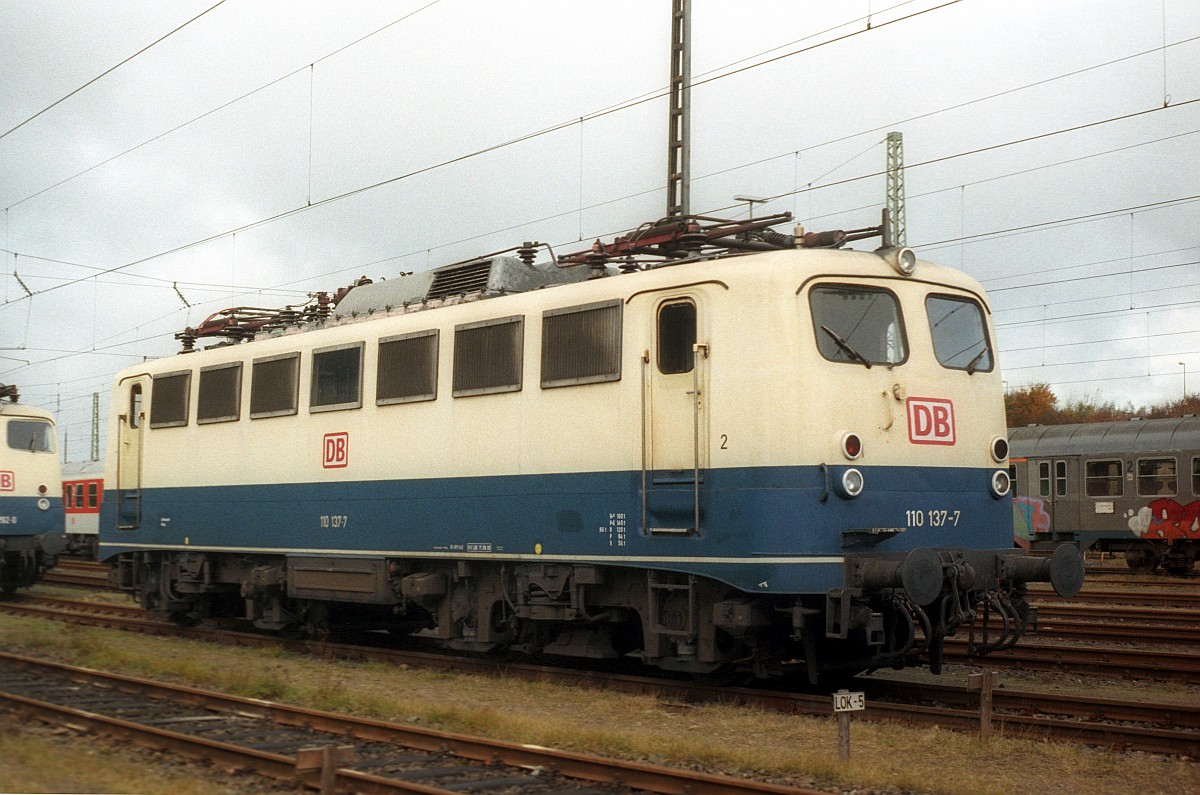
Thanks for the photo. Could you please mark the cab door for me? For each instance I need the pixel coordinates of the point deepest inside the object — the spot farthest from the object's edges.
(130, 428)
(675, 420)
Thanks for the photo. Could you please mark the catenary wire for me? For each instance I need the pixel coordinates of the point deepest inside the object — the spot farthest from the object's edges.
(111, 69)
(347, 194)
(495, 147)
(222, 106)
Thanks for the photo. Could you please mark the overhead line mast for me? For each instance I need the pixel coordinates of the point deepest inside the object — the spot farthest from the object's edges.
(678, 143)
(895, 188)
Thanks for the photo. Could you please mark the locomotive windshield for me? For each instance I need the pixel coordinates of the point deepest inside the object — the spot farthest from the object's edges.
(959, 336)
(32, 435)
(858, 324)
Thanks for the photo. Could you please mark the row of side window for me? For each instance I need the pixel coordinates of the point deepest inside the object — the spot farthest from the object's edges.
(1156, 476)
(580, 345)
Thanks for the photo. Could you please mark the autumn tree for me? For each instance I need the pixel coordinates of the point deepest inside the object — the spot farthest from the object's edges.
(1032, 405)
(1038, 405)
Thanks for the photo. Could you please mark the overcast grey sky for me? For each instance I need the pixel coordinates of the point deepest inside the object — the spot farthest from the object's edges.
(262, 150)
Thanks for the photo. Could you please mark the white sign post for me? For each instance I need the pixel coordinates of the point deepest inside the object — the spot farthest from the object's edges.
(844, 703)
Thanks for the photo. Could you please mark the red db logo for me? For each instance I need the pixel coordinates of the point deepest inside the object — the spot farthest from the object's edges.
(930, 421)
(336, 450)
(7, 481)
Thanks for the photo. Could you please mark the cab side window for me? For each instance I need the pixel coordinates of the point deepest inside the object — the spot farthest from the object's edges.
(676, 337)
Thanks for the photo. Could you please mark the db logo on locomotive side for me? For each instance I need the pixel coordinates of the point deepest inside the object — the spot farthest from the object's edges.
(8, 481)
(930, 420)
(336, 452)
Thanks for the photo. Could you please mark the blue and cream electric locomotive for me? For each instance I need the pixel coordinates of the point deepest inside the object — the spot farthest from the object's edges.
(31, 512)
(706, 444)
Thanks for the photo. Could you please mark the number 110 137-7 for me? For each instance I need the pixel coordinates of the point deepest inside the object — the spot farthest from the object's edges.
(932, 518)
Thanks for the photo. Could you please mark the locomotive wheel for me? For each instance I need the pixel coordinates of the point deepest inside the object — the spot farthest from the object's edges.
(1141, 560)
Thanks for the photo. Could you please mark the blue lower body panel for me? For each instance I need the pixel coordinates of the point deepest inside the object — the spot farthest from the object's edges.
(21, 516)
(763, 530)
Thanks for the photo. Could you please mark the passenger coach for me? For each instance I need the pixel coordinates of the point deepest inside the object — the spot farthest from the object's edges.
(708, 445)
(1128, 487)
(83, 488)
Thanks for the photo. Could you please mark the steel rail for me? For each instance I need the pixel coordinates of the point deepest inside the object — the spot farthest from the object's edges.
(1109, 660)
(1108, 631)
(75, 578)
(1025, 702)
(1173, 616)
(581, 767)
(1115, 596)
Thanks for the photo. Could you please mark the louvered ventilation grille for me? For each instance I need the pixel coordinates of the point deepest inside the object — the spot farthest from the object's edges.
(464, 279)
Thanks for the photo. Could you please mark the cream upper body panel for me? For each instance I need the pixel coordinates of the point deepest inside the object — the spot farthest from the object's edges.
(767, 395)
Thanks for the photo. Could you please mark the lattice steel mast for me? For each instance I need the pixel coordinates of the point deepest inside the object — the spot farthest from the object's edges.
(895, 188)
(678, 144)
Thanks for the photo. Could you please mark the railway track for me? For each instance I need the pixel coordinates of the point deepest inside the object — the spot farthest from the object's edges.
(1155, 728)
(78, 573)
(1116, 595)
(83, 564)
(334, 752)
(1078, 622)
(1093, 658)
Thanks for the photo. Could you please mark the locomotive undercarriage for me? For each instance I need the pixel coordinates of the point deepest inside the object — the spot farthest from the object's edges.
(884, 616)
(22, 560)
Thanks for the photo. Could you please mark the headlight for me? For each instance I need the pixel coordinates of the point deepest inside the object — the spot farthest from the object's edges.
(1000, 483)
(999, 449)
(43, 504)
(902, 258)
(851, 483)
